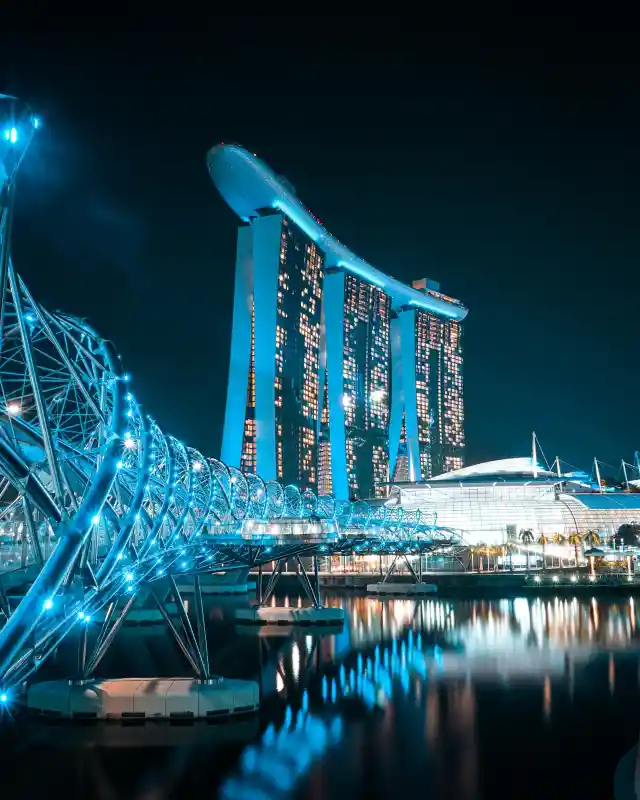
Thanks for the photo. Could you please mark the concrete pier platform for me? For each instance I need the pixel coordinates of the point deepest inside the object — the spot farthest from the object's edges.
(240, 730)
(217, 589)
(141, 615)
(402, 589)
(284, 631)
(131, 699)
(233, 582)
(275, 615)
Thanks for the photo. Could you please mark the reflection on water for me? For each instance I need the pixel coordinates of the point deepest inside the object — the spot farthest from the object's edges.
(461, 699)
(516, 624)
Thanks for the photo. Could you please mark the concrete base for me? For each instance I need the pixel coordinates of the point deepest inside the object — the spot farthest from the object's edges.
(240, 730)
(210, 589)
(283, 630)
(275, 615)
(402, 589)
(141, 614)
(232, 582)
(143, 698)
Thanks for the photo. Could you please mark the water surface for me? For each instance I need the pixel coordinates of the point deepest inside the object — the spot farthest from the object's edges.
(463, 699)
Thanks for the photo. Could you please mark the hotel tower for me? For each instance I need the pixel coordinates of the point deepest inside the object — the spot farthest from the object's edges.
(341, 378)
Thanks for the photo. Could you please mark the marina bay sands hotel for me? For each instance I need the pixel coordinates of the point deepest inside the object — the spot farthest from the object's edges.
(341, 378)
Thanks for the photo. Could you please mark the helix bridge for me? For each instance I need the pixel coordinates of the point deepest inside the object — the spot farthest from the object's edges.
(98, 503)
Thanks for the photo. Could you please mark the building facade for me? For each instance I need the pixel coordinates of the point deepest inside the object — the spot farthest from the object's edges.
(366, 379)
(341, 377)
(495, 502)
(439, 396)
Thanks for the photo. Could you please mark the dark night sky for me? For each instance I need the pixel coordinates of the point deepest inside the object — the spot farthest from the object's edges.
(510, 174)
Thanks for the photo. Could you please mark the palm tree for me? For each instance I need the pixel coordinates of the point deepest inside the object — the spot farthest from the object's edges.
(472, 550)
(575, 539)
(496, 550)
(627, 534)
(509, 549)
(526, 537)
(543, 541)
(481, 549)
(591, 538)
(560, 539)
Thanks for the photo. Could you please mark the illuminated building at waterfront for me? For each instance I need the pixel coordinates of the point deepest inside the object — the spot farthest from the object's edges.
(350, 376)
(495, 502)
(431, 440)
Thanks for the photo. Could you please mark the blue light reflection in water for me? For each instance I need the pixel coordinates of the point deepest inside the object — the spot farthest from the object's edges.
(459, 698)
(416, 675)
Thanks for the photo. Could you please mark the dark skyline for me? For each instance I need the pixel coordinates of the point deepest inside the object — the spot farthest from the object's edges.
(511, 176)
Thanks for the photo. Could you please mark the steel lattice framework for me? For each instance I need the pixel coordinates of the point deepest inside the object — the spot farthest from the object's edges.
(96, 501)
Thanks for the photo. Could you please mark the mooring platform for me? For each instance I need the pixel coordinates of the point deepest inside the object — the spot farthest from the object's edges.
(402, 589)
(283, 630)
(143, 698)
(220, 583)
(218, 589)
(276, 615)
(144, 615)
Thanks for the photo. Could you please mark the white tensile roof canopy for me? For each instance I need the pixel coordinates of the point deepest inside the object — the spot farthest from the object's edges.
(503, 466)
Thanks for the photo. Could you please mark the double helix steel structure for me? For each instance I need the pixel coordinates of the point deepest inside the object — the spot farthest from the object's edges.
(96, 501)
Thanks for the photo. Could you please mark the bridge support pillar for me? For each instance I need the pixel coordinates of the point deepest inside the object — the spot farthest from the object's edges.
(215, 583)
(202, 696)
(413, 587)
(264, 613)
